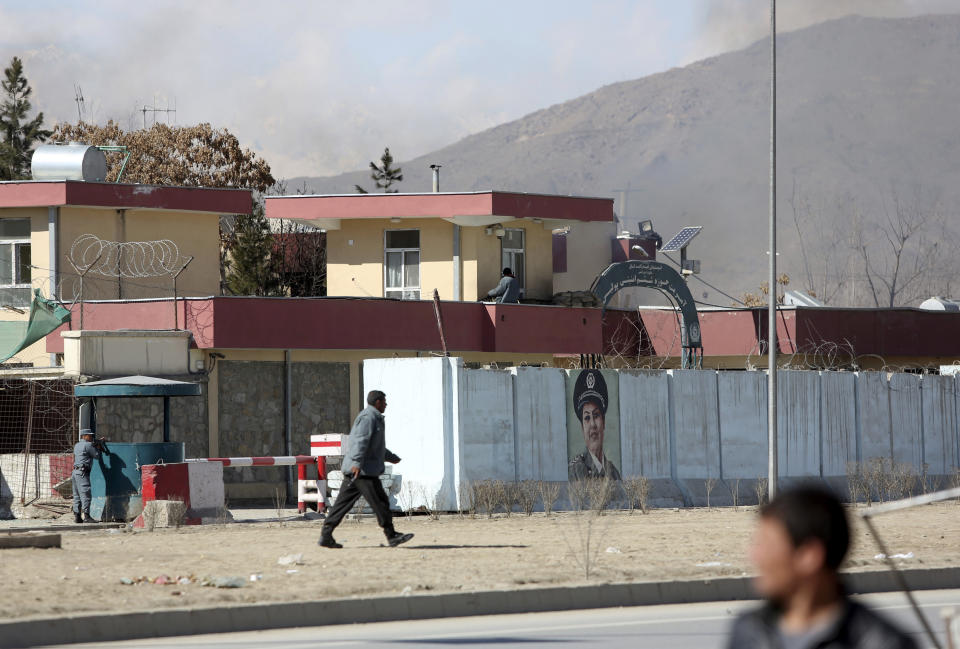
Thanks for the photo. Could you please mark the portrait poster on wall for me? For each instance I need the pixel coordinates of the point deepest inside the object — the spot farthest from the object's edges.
(593, 424)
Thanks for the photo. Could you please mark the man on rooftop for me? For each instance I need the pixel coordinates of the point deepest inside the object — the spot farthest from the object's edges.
(508, 290)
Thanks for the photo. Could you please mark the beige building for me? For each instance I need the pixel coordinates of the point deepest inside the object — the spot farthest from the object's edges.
(52, 231)
(406, 246)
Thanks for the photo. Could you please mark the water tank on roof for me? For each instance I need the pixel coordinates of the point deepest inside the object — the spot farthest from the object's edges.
(940, 304)
(72, 161)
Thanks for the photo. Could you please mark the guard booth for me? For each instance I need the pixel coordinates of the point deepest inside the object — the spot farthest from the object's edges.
(115, 476)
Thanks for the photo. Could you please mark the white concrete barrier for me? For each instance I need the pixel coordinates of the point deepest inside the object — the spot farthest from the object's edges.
(678, 428)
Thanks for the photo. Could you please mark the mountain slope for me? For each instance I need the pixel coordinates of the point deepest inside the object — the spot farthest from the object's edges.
(866, 116)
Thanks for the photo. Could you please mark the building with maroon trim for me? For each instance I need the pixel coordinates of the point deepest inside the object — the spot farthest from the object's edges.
(40, 221)
(408, 245)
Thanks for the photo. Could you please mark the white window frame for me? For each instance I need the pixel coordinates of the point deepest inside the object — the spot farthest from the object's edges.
(505, 263)
(403, 288)
(17, 244)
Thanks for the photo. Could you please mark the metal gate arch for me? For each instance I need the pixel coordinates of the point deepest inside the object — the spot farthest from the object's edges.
(659, 276)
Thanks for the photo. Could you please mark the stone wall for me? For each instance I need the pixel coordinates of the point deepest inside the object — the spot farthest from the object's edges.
(252, 416)
(320, 401)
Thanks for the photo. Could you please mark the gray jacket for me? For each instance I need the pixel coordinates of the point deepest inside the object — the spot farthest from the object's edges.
(367, 444)
(508, 289)
(84, 453)
(857, 628)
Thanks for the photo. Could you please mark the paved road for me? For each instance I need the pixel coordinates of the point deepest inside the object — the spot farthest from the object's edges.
(681, 626)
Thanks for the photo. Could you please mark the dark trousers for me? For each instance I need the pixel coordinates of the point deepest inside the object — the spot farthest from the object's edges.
(350, 491)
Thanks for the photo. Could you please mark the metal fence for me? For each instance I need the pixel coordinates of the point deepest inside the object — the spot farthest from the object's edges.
(37, 434)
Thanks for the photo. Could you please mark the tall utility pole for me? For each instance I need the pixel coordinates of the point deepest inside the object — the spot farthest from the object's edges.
(772, 307)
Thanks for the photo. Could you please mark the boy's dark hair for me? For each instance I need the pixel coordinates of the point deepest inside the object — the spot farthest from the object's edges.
(375, 395)
(811, 512)
(507, 272)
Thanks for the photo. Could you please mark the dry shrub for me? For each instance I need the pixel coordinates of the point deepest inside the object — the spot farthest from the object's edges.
(577, 494)
(856, 483)
(872, 481)
(735, 493)
(405, 498)
(484, 497)
(762, 491)
(584, 533)
(904, 480)
(600, 492)
(708, 486)
(526, 491)
(279, 503)
(467, 491)
(431, 503)
(435, 506)
(549, 492)
(223, 513)
(637, 489)
(504, 495)
(929, 483)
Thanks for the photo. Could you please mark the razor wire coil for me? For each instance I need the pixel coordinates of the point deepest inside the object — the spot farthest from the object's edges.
(127, 259)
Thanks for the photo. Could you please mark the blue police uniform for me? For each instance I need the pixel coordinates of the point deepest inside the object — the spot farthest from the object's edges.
(84, 453)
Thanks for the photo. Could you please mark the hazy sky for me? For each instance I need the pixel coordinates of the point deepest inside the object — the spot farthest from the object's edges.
(320, 87)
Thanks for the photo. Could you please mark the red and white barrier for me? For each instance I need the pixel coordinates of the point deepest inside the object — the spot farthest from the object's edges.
(326, 445)
(315, 491)
(276, 460)
(308, 491)
(199, 486)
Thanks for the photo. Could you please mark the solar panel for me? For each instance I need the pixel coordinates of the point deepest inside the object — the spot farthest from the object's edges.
(682, 239)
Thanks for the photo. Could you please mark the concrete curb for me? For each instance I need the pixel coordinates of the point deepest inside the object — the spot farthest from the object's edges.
(252, 617)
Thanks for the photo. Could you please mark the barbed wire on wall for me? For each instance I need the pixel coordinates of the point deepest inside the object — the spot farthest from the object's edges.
(127, 260)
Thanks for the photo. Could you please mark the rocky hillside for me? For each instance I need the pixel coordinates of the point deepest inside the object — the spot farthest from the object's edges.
(867, 123)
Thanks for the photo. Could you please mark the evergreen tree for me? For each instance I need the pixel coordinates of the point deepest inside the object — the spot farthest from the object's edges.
(249, 266)
(384, 174)
(19, 134)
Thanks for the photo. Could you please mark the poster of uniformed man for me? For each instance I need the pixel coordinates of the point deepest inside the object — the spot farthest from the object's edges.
(593, 424)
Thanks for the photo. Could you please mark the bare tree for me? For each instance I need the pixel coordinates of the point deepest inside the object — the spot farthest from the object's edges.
(887, 252)
(824, 240)
(906, 254)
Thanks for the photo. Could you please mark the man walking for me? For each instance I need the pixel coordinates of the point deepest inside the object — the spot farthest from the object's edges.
(800, 542)
(363, 460)
(84, 453)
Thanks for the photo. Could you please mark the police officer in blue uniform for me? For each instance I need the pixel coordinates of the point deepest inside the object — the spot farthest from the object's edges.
(84, 453)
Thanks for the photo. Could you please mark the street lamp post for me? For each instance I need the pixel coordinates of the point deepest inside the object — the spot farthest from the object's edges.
(772, 306)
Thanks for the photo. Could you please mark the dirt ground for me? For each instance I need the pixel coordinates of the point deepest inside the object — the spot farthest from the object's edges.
(449, 554)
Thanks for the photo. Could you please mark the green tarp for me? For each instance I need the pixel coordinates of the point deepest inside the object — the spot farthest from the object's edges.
(45, 316)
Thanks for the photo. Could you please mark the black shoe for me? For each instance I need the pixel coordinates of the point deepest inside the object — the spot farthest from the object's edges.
(77, 518)
(328, 542)
(397, 538)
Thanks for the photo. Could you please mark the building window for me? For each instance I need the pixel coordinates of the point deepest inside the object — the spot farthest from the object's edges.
(560, 252)
(15, 269)
(401, 264)
(512, 254)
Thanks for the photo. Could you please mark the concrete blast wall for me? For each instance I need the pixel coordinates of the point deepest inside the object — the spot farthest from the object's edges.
(688, 431)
